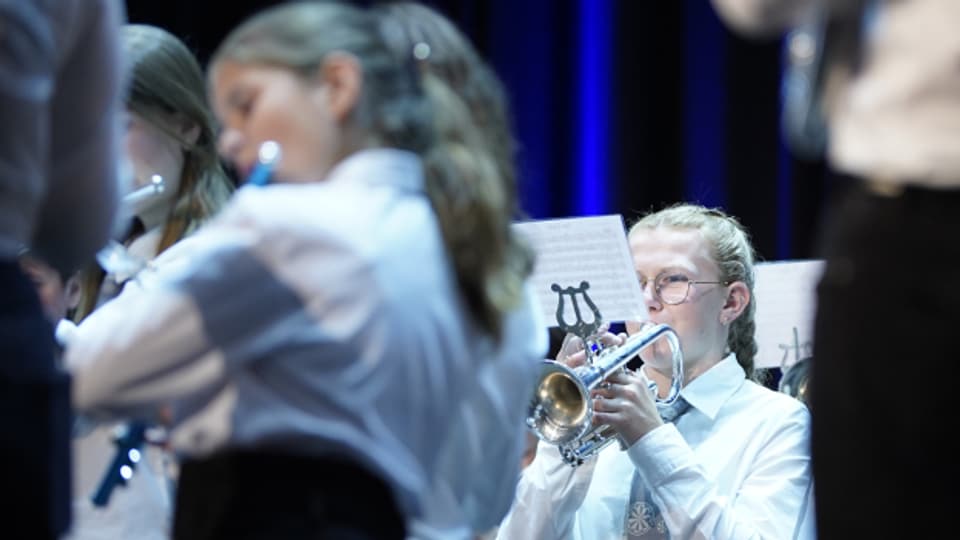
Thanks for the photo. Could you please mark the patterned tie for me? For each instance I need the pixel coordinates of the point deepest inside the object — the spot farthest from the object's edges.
(675, 410)
(644, 519)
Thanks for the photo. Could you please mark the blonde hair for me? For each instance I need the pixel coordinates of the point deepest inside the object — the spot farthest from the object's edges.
(403, 107)
(733, 253)
(167, 89)
(472, 119)
(453, 59)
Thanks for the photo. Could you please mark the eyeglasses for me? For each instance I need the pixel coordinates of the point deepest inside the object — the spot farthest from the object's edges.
(673, 289)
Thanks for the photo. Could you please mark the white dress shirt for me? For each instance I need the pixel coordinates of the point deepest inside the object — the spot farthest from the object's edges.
(321, 319)
(480, 462)
(735, 466)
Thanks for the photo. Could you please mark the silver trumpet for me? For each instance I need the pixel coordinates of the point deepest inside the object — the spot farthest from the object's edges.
(561, 411)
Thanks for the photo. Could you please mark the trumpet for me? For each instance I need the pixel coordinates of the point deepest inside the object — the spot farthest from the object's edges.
(561, 410)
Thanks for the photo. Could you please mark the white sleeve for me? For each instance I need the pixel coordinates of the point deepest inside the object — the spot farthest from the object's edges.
(772, 503)
(770, 18)
(151, 345)
(548, 497)
(138, 351)
(761, 18)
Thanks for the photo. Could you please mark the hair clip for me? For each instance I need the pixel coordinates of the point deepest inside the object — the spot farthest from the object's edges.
(421, 51)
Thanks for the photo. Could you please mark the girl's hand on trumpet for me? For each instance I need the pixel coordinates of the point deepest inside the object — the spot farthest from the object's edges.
(572, 353)
(625, 403)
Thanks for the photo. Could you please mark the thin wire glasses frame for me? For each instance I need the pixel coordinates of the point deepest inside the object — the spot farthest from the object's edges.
(674, 288)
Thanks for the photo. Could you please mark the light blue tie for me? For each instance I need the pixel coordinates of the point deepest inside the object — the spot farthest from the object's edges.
(675, 410)
(644, 519)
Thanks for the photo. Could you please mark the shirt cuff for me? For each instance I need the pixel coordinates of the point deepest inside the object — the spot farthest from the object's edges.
(660, 453)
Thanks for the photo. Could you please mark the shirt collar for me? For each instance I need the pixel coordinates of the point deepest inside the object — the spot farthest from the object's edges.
(399, 168)
(708, 392)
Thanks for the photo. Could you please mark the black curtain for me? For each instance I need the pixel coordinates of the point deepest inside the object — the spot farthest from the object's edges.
(691, 110)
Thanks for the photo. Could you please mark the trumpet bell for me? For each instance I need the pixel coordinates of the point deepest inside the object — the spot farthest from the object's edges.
(558, 410)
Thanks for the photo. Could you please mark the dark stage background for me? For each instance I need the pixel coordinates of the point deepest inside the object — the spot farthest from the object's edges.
(619, 107)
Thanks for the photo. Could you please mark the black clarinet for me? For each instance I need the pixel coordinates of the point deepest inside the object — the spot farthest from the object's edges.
(121, 468)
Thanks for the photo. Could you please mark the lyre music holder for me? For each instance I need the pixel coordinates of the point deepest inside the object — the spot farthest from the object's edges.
(587, 331)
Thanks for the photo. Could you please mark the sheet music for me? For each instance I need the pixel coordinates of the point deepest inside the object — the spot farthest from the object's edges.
(785, 295)
(592, 249)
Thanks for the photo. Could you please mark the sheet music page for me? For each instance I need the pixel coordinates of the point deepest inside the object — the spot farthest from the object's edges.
(592, 249)
(785, 294)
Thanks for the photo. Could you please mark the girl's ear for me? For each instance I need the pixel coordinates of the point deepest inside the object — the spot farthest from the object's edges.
(71, 291)
(738, 298)
(342, 76)
(186, 129)
(190, 131)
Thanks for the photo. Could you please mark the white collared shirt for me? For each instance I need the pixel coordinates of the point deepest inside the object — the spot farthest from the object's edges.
(736, 465)
(317, 318)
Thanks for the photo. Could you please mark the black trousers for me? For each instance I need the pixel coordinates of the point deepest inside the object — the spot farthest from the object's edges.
(252, 495)
(34, 415)
(887, 364)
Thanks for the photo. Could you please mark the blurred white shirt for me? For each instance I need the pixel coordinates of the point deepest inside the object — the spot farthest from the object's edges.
(319, 318)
